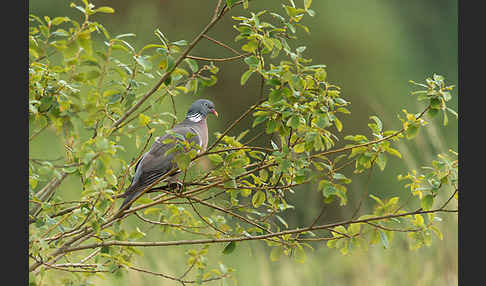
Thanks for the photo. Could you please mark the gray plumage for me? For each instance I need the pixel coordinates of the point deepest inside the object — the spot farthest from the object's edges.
(155, 164)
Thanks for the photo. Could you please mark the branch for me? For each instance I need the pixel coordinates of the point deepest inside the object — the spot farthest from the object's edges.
(257, 237)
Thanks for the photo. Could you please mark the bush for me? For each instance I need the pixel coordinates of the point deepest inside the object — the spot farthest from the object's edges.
(98, 102)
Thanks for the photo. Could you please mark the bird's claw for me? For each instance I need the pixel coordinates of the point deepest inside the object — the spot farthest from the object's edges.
(177, 186)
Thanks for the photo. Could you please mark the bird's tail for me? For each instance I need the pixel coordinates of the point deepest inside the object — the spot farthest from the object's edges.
(127, 200)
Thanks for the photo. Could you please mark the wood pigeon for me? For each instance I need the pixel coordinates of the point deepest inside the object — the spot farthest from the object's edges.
(154, 163)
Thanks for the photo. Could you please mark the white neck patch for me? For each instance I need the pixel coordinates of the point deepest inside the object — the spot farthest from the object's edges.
(195, 117)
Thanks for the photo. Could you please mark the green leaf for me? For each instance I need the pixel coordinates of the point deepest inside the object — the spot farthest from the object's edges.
(143, 119)
(245, 192)
(215, 158)
(149, 46)
(246, 76)
(144, 62)
(230, 3)
(383, 238)
(250, 47)
(365, 160)
(192, 64)
(446, 119)
(419, 220)
(453, 112)
(258, 199)
(311, 13)
(393, 152)
(354, 228)
(299, 254)
(339, 125)
(92, 74)
(70, 170)
(293, 121)
(339, 230)
(411, 132)
(427, 202)
(275, 96)
(268, 43)
(436, 231)
(329, 190)
(271, 126)
(229, 248)
(105, 249)
(285, 165)
(276, 253)
(432, 112)
(252, 61)
(182, 160)
(377, 199)
(378, 122)
(180, 43)
(105, 9)
(259, 120)
(299, 148)
(208, 81)
(282, 221)
(125, 35)
(435, 103)
(307, 4)
(137, 234)
(381, 161)
(59, 20)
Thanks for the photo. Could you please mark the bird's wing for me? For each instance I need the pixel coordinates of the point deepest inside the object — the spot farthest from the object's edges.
(155, 163)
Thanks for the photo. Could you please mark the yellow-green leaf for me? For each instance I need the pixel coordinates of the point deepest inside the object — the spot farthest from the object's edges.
(105, 9)
(299, 148)
(143, 119)
(276, 253)
(258, 199)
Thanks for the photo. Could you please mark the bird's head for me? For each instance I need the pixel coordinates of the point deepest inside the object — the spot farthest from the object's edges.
(201, 107)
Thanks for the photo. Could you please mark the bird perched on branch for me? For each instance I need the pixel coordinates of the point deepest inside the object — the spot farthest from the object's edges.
(156, 163)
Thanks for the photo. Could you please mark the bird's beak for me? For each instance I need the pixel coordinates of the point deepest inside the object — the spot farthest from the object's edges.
(214, 112)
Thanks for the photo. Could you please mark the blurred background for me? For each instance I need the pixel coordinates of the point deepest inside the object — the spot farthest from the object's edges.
(371, 49)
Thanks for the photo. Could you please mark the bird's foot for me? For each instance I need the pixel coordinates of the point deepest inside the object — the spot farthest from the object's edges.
(177, 186)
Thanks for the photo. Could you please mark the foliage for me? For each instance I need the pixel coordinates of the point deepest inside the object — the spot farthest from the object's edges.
(96, 98)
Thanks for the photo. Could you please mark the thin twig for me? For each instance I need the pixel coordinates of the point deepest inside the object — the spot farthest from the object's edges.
(223, 45)
(216, 59)
(392, 229)
(232, 126)
(365, 193)
(174, 121)
(170, 277)
(38, 132)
